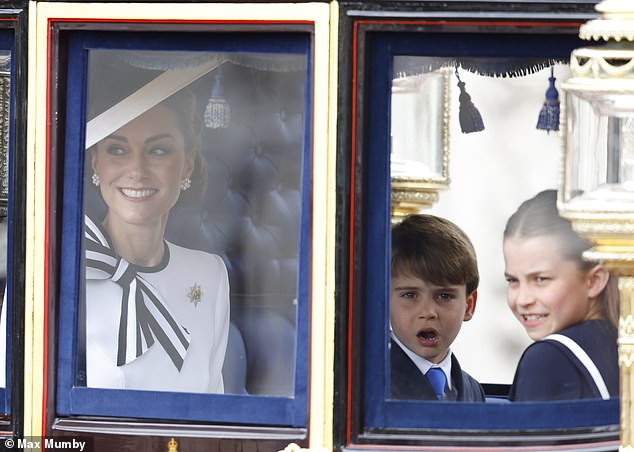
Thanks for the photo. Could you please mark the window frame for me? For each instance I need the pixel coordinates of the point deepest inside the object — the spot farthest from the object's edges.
(367, 417)
(73, 400)
(7, 43)
(13, 22)
(56, 17)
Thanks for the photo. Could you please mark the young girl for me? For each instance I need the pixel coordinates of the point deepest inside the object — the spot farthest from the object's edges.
(567, 305)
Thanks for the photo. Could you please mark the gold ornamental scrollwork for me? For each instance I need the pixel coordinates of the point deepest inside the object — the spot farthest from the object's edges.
(615, 250)
(626, 328)
(626, 357)
(603, 228)
(407, 200)
(602, 64)
(626, 321)
(615, 22)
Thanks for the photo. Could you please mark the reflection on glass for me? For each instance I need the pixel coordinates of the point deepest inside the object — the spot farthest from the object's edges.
(5, 117)
(192, 201)
(417, 125)
(419, 133)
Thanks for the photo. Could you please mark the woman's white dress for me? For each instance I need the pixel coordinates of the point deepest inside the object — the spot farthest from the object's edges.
(194, 286)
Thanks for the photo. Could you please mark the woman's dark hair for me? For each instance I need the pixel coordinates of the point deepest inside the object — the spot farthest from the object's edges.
(190, 122)
(539, 217)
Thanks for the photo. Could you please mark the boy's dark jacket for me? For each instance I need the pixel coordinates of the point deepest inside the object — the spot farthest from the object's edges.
(407, 381)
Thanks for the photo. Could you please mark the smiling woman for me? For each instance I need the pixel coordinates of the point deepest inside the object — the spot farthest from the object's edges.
(140, 170)
(156, 314)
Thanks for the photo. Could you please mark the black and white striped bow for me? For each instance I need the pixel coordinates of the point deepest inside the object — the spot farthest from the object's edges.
(145, 317)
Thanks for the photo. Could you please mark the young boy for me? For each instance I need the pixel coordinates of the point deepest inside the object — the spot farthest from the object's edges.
(433, 290)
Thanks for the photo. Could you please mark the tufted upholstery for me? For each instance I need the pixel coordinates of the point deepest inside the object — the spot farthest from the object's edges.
(250, 215)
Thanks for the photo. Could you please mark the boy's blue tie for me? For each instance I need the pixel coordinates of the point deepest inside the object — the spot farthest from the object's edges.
(437, 378)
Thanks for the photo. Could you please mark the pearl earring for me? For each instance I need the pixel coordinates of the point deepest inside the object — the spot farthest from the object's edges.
(186, 183)
(95, 179)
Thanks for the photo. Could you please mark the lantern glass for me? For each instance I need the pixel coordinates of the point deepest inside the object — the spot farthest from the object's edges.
(599, 151)
(418, 126)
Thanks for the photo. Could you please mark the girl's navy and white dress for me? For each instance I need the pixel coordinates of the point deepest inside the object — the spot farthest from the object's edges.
(549, 370)
(162, 328)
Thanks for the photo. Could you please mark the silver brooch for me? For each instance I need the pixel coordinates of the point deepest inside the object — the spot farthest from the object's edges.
(195, 294)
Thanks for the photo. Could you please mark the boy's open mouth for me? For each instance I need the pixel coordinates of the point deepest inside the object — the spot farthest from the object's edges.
(428, 337)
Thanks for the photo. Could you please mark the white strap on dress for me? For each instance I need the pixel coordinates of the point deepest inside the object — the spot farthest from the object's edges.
(583, 357)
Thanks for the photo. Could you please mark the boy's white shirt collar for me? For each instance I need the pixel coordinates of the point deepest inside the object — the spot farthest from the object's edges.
(423, 364)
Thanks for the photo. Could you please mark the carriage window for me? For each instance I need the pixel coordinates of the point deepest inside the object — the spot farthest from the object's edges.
(192, 302)
(428, 150)
(512, 157)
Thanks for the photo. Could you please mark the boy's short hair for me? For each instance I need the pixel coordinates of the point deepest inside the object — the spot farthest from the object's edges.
(435, 250)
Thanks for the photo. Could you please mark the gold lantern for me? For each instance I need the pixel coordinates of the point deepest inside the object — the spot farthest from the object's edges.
(597, 190)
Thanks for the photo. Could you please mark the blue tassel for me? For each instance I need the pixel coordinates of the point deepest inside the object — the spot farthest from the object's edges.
(218, 112)
(549, 114)
(470, 118)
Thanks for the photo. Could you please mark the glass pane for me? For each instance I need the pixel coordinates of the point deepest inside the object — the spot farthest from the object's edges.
(418, 121)
(193, 195)
(514, 161)
(600, 171)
